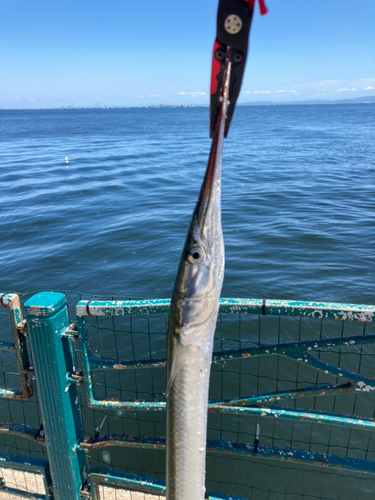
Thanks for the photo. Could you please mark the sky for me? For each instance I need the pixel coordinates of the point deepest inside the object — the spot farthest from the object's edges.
(141, 53)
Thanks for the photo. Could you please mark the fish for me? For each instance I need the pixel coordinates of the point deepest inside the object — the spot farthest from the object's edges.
(191, 328)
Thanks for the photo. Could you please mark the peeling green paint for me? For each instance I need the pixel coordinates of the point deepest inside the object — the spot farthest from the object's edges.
(258, 405)
(234, 448)
(27, 464)
(339, 311)
(12, 302)
(133, 482)
(255, 405)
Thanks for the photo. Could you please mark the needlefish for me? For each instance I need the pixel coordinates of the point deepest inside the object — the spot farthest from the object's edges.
(192, 320)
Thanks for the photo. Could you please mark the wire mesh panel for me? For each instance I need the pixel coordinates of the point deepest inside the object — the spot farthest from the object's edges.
(24, 482)
(106, 493)
(292, 401)
(21, 423)
(20, 416)
(123, 486)
(108, 482)
(14, 351)
(24, 477)
(280, 371)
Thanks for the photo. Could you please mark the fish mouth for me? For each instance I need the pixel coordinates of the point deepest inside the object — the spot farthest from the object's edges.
(208, 192)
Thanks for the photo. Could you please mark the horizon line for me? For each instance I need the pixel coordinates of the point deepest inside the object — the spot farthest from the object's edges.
(353, 100)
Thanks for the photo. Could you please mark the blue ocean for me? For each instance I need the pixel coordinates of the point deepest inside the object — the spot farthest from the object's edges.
(298, 200)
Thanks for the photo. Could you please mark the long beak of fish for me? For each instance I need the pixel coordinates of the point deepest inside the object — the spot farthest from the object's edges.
(213, 171)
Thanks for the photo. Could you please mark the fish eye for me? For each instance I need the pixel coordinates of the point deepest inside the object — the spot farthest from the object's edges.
(195, 255)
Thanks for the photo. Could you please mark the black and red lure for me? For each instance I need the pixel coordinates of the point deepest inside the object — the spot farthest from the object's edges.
(232, 40)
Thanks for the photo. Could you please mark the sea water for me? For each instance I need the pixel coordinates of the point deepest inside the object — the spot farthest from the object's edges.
(298, 200)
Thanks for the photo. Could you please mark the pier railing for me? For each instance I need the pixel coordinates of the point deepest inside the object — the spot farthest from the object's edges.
(83, 407)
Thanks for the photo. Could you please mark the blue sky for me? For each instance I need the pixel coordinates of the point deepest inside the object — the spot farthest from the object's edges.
(117, 52)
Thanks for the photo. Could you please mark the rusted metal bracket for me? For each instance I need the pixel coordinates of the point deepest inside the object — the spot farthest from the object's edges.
(75, 377)
(71, 332)
(85, 492)
(22, 327)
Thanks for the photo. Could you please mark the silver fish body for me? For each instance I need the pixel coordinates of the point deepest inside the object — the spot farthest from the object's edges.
(192, 322)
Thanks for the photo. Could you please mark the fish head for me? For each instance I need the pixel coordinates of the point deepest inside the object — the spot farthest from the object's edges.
(201, 270)
(202, 262)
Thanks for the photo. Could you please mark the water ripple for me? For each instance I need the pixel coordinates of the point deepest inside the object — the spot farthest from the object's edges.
(298, 200)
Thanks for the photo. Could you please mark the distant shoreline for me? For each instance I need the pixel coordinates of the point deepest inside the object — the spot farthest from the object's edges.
(355, 100)
(358, 100)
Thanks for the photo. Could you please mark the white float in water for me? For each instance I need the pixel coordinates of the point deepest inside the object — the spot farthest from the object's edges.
(66, 160)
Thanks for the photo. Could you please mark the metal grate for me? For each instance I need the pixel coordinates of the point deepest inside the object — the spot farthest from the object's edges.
(125, 336)
(20, 480)
(24, 477)
(106, 493)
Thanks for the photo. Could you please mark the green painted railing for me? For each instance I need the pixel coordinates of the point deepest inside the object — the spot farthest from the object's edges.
(299, 351)
(132, 482)
(53, 343)
(26, 464)
(19, 331)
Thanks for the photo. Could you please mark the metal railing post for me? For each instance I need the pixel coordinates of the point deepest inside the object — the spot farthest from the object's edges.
(47, 320)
